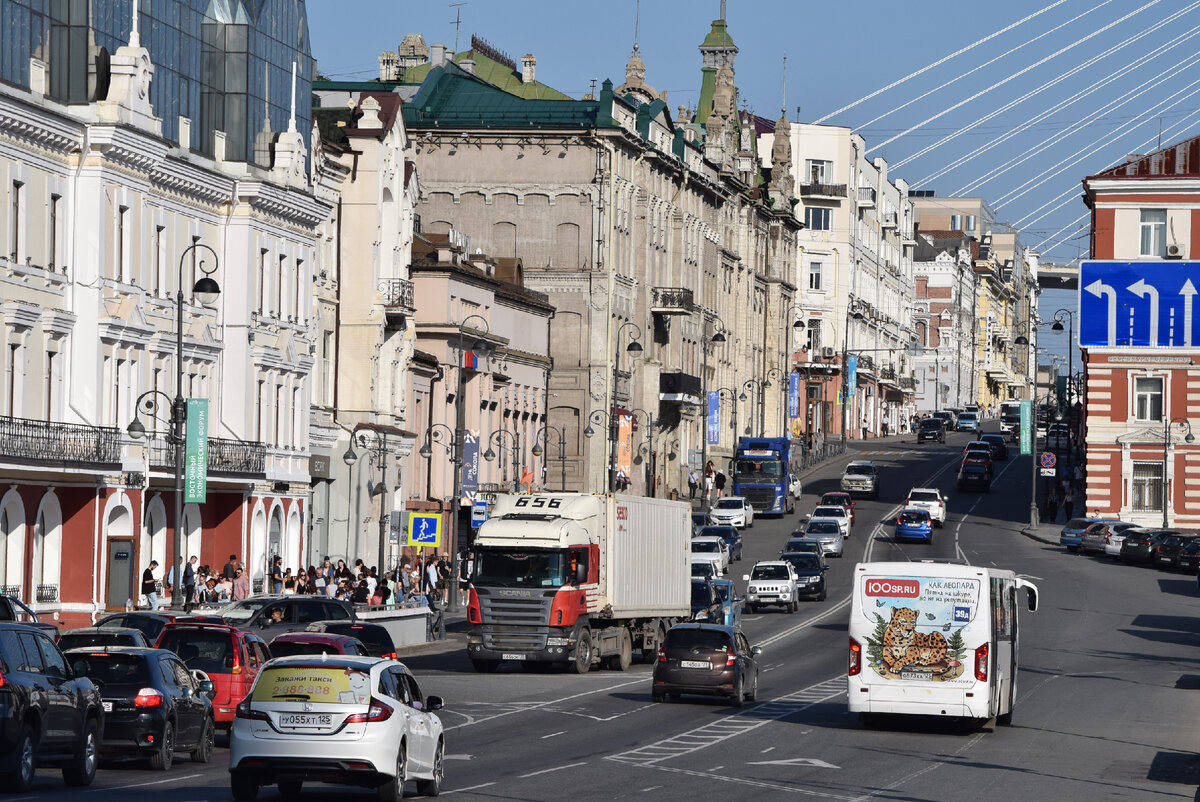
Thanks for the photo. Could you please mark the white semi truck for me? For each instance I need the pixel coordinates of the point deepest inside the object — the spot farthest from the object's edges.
(578, 579)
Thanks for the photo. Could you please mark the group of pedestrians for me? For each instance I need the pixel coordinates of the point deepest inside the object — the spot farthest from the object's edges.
(1061, 496)
(201, 584)
(714, 483)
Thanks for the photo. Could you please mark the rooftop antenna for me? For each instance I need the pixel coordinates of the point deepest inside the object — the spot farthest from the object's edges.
(592, 92)
(797, 114)
(135, 39)
(783, 104)
(637, 15)
(457, 22)
(722, 10)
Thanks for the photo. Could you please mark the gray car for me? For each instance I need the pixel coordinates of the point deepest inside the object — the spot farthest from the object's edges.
(826, 532)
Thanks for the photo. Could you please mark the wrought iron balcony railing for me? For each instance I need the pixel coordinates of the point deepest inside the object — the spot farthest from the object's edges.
(908, 383)
(11, 590)
(59, 443)
(671, 300)
(397, 293)
(888, 373)
(224, 456)
(827, 190)
(47, 593)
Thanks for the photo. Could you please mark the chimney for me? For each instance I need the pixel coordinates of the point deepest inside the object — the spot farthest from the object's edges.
(528, 68)
(468, 65)
(437, 54)
(389, 66)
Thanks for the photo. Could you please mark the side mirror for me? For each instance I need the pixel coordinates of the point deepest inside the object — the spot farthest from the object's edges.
(824, 568)
(81, 668)
(1033, 598)
(434, 703)
(207, 687)
(756, 650)
(581, 574)
(745, 577)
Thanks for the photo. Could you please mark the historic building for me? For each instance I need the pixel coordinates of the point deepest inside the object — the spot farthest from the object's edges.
(126, 179)
(945, 294)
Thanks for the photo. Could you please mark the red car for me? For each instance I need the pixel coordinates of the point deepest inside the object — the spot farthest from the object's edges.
(226, 655)
(316, 643)
(839, 499)
(980, 457)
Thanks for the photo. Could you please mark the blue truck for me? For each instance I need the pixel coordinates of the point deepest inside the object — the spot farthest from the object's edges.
(765, 475)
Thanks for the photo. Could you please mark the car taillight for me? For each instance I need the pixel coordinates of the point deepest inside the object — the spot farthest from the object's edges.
(855, 658)
(907, 502)
(730, 659)
(981, 663)
(3, 681)
(388, 656)
(148, 697)
(378, 711)
(662, 653)
(243, 711)
(237, 659)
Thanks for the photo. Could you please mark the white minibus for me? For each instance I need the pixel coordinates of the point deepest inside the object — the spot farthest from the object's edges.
(935, 639)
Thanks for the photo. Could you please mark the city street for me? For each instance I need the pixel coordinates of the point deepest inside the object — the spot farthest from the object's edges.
(1106, 691)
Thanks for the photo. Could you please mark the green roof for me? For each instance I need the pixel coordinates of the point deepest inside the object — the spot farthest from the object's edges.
(452, 98)
(502, 76)
(718, 36)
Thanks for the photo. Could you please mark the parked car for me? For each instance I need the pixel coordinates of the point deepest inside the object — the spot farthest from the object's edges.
(374, 637)
(801, 543)
(861, 477)
(832, 513)
(257, 613)
(1058, 437)
(810, 573)
(1116, 536)
(228, 656)
(15, 610)
(51, 714)
(828, 533)
(153, 706)
(914, 524)
(931, 429)
(998, 444)
(947, 417)
(733, 511)
(1189, 556)
(1140, 544)
(368, 724)
(974, 476)
(840, 499)
(929, 499)
(967, 422)
(151, 622)
(772, 583)
(95, 637)
(1097, 538)
(706, 659)
(699, 521)
(290, 643)
(1166, 550)
(1071, 535)
(712, 549)
(731, 536)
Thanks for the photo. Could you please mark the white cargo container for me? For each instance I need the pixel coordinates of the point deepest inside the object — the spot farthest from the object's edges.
(578, 578)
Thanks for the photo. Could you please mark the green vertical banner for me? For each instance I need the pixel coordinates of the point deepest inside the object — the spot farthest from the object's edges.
(195, 460)
(1027, 427)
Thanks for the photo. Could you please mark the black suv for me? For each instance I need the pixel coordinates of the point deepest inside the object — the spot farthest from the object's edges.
(50, 712)
(255, 614)
(931, 429)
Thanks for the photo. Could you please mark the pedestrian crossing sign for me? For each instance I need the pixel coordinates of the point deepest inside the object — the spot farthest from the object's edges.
(425, 530)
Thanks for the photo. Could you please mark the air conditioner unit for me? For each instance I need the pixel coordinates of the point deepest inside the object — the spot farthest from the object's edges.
(1175, 252)
(828, 352)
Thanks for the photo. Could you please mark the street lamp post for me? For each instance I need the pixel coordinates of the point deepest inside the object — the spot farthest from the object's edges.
(760, 387)
(648, 475)
(777, 374)
(634, 347)
(543, 435)
(1031, 370)
(205, 291)
(375, 442)
(1189, 438)
(733, 400)
(718, 337)
(497, 438)
(451, 440)
(852, 310)
(1068, 316)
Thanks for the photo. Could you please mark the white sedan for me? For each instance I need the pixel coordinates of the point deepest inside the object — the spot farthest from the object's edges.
(713, 549)
(733, 511)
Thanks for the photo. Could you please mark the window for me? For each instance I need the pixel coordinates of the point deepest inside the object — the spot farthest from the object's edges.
(327, 368)
(155, 284)
(52, 255)
(121, 268)
(14, 227)
(956, 221)
(281, 287)
(51, 380)
(263, 283)
(1153, 233)
(814, 336)
(970, 223)
(814, 275)
(13, 379)
(816, 219)
(1148, 398)
(298, 298)
(818, 171)
(1147, 487)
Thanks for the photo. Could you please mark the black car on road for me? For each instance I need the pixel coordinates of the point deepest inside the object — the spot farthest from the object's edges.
(1166, 550)
(1140, 545)
(95, 637)
(931, 429)
(50, 712)
(706, 659)
(254, 614)
(153, 706)
(974, 476)
(810, 573)
(998, 445)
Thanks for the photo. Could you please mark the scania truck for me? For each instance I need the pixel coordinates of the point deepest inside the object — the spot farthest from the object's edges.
(578, 579)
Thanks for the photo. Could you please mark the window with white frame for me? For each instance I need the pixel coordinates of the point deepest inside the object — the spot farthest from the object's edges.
(817, 219)
(969, 223)
(1146, 489)
(124, 248)
(1148, 398)
(15, 221)
(814, 336)
(815, 269)
(1153, 232)
(52, 254)
(264, 283)
(818, 171)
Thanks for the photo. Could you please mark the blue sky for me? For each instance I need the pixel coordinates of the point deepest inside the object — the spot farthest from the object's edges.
(838, 53)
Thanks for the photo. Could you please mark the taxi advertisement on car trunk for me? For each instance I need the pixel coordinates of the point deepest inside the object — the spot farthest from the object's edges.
(314, 684)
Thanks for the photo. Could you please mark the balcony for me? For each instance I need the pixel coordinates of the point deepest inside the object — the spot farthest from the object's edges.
(866, 197)
(398, 300)
(908, 383)
(888, 220)
(58, 444)
(815, 190)
(887, 374)
(671, 300)
(47, 594)
(224, 456)
(681, 388)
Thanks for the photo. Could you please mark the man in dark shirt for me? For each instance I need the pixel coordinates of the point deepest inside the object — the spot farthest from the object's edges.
(230, 567)
(149, 588)
(189, 581)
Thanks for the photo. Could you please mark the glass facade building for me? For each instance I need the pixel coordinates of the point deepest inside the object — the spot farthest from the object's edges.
(224, 64)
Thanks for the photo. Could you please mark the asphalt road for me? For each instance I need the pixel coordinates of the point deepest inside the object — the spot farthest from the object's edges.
(1107, 699)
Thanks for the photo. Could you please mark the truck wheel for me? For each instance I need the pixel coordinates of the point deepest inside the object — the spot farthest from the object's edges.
(485, 666)
(624, 656)
(650, 650)
(583, 654)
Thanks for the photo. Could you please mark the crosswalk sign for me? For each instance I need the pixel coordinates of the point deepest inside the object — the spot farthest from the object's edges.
(425, 530)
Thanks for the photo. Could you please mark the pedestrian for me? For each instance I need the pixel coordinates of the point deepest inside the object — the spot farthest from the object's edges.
(1069, 500)
(277, 575)
(719, 482)
(149, 586)
(230, 566)
(1050, 510)
(883, 425)
(241, 584)
(708, 482)
(866, 427)
(693, 483)
(431, 575)
(466, 567)
(189, 581)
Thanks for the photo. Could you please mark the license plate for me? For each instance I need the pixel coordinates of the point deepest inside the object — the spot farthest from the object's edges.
(305, 719)
(694, 664)
(512, 657)
(107, 707)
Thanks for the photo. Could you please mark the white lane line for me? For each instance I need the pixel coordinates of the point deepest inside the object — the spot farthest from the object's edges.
(791, 789)
(556, 768)
(468, 788)
(920, 772)
(539, 705)
(554, 734)
(142, 785)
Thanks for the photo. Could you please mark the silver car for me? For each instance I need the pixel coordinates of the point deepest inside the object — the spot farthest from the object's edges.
(339, 719)
(828, 533)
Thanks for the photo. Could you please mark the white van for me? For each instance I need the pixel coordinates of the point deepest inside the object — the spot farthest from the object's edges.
(934, 639)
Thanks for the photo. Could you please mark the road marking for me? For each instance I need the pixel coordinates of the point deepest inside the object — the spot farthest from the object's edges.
(468, 788)
(554, 734)
(556, 768)
(142, 785)
(540, 705)
(791, 789)
(458, 757)
(796, 761)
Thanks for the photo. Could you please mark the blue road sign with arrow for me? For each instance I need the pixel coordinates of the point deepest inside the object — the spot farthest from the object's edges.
(1146, 304)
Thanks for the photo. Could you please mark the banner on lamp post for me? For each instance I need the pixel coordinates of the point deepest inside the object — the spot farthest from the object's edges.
(470, 467)
(1026, 427)
(714, 417)
(195, 459)
(624, 445)
(793, 395)
(852, 374)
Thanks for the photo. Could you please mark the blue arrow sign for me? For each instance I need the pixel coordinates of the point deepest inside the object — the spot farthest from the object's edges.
(425, 530)
(1146, 304)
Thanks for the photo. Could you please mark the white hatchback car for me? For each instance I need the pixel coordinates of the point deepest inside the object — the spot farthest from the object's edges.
(339, 719)
(732, 511)
(712, 549)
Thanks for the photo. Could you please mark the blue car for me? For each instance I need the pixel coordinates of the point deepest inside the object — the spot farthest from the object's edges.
(914, 524)
(1071, 535)
(731, 603)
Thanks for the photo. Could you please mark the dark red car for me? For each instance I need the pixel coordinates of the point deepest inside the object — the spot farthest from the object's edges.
(316, 643)
(980, 456)
(837, 498)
